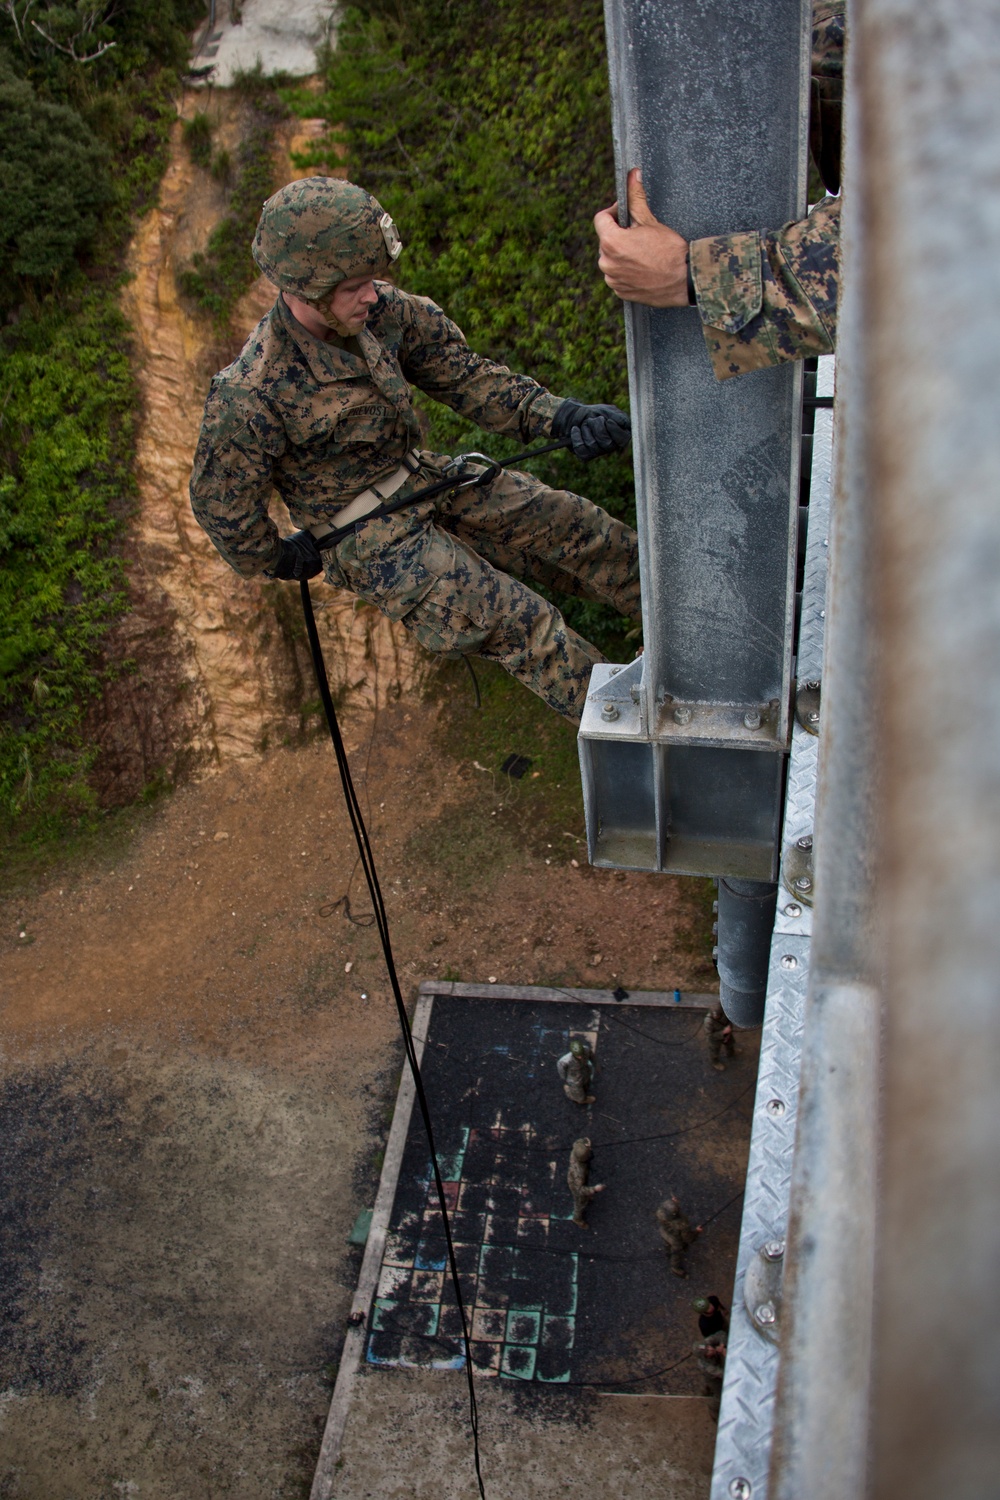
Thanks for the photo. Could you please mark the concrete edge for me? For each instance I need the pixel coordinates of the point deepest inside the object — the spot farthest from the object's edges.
(371, 1265)
(688, 1000)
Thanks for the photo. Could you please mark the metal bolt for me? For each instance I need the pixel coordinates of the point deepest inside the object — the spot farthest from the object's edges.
(789, 961)
(609, 713)
(775, 1108)
(793, 909)
(614, 671)
(765, 1312)
(715, 954)
(806, 841)
(813, 716)
(740, 1489)
(682, 716)
(803, 883)
(751, 719)
(813, 684)
(774, 1250)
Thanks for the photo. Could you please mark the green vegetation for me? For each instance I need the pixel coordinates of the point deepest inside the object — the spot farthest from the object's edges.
(485, 131)
(218, 276)
(198, 139)
(501, 817)
(86, 104)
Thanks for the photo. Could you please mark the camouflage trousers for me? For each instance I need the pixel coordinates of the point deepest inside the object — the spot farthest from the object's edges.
(456, 570)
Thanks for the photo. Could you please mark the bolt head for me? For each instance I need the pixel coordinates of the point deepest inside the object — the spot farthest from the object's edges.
(813, 716)
(774, 1250)
(803, 883)
(788, 961)
(609, 713)
(775, 1108)
(793, 909)
(805, 842)
(765, 1313)
(740, 1489)
(752, 719)
(682, 716)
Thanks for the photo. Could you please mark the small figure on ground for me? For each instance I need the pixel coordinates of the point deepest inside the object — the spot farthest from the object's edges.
(711, 1357)
(712, 1316)
(719, 1035)
(576, 1069)
(576, 1178)
(675, 1232)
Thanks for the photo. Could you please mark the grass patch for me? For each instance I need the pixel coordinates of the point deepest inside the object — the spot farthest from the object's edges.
(501, 819)
(219, 275)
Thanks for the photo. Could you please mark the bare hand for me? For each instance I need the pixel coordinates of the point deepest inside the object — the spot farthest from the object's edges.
(647, 262)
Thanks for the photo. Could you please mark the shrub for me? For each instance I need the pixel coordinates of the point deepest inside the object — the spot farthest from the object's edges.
(65, 487)
(198, 139)
(54, 181)
(219, 275)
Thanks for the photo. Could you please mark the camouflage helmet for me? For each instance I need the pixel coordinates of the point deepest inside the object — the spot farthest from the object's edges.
(701, 1305)
(578, 1047)
(319, 231)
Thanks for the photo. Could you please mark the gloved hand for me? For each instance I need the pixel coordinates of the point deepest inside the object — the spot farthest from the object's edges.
(300, 557)
(592, 430)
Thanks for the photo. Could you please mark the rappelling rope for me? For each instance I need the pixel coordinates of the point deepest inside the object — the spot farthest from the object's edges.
(381, 921)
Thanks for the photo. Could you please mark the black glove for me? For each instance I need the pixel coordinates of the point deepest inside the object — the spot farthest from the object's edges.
(299, 557)
(592, 430)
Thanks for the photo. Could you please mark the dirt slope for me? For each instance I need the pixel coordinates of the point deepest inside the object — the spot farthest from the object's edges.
(199, 1055)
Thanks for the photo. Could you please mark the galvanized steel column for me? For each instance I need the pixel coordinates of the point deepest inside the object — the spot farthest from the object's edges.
(929, 86)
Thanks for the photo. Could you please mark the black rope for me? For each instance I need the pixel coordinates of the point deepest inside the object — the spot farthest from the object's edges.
(381, 921)
(637, 1140)
(475, 681)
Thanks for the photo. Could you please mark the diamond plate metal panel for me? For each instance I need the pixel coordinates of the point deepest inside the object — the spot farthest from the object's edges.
(742, 1449)
(743, 1445)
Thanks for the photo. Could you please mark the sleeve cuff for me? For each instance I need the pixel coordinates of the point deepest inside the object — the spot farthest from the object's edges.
(726, 274)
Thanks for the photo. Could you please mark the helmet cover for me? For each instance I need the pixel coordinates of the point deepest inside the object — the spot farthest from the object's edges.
(319, 231)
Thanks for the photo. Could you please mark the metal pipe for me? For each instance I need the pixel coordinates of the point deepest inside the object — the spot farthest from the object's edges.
(746, 921)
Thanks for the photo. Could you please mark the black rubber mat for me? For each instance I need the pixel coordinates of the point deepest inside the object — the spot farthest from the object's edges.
(549, 1301)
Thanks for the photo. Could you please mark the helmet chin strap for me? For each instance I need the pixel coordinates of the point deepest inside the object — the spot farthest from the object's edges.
(339, 327)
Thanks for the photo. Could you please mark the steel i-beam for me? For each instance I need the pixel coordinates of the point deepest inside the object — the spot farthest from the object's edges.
(683, 752)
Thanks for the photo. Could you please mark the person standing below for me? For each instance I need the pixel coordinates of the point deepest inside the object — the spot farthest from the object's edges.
(318, 406)
(676, 1233)
(578, 1181)
(576, 1069)
(719, 1036)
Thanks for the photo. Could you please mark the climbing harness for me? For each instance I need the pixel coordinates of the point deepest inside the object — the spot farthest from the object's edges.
(452, 482)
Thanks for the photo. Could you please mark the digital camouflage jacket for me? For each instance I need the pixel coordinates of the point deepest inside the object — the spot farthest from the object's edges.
(769, 296)
(320, 422)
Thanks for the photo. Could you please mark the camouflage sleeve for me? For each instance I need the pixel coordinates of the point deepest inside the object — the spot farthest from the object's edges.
(768, 297)
(231, 480)
(436, 358)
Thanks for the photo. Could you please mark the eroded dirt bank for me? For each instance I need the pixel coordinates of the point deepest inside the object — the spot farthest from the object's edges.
(199, 1057)
(222, 670)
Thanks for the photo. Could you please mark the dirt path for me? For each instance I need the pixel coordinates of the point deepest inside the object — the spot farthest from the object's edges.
(197, 1066)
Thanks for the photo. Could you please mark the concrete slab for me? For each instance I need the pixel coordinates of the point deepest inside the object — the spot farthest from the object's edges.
(663, 1121)
(408, 1439)
(282, 35)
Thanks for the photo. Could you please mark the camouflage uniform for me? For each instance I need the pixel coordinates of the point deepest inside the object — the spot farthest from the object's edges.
(321, 420)
(676, 1233)
(768, 296)
(713, 1368)
(576, 1179)
(576, 1069)
(719, 1035)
